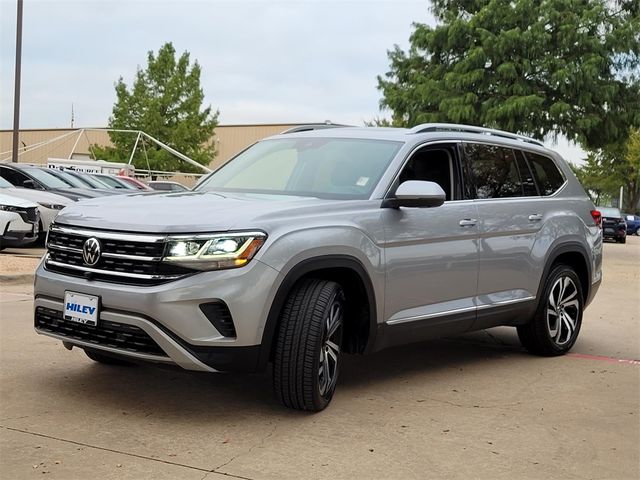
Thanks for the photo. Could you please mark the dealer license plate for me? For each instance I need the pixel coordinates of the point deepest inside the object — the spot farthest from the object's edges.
(81, 308)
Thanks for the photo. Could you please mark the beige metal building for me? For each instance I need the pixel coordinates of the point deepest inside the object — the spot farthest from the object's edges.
(229, 140)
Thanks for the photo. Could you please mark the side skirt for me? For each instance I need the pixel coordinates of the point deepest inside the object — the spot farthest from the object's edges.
(402, 333)
(413, 331)
(517, 313)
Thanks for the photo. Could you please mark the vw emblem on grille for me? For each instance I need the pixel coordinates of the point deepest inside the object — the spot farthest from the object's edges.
(91, 251)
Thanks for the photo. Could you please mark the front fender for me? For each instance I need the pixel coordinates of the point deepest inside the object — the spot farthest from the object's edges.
(316, 249)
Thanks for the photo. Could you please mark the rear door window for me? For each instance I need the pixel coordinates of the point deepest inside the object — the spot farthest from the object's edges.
(546, 173)
(495, 171)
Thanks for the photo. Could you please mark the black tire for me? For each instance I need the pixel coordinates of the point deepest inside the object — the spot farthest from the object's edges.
(42, 235)
(105, 359)
(305, 351)
(623, 239)
(539, 336)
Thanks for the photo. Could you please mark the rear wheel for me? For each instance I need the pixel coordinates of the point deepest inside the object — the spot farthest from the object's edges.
(623, 239)
(308, 348)
(105, 359)
(556, 323)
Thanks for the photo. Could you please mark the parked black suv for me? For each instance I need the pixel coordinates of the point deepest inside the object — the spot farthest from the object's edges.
(613, 224)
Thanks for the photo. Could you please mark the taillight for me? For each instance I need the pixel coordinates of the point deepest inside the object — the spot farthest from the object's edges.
(597, 217)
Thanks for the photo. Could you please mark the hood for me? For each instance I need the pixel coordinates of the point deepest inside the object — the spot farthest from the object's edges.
(37, 196)
(12, 201)
(182, 212)
(87, 192)
(74, 194)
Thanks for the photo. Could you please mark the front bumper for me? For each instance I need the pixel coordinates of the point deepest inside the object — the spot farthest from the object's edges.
(170, 314)
(19, 233)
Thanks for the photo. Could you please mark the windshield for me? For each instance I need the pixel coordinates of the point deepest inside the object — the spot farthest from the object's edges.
(4, 183)
(99, 181)
(334, 168)
(46, 178)
(609, 212)
(70, 179)
(113, 182)
(88, 179)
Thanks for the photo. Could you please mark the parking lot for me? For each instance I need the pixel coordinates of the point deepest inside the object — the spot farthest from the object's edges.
(475, 406)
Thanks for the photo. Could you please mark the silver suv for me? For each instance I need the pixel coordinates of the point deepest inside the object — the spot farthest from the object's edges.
(324, 241)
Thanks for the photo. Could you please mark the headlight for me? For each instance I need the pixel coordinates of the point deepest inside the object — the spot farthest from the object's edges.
(8, 208)
(52, 206)
(214, 252)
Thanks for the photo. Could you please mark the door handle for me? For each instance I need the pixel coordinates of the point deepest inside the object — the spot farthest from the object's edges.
(536, 217)
(468, 222)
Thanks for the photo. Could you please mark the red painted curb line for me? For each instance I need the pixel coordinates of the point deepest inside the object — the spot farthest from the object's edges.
(601, 358)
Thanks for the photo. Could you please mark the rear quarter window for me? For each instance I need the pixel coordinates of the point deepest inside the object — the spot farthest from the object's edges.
(547, 175)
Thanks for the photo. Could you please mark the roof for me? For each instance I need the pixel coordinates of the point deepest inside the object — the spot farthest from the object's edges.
(416, 134)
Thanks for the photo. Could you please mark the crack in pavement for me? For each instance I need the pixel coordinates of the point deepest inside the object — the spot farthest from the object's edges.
(460, 405)
(14, 418)
(135, 455)
(259, 444)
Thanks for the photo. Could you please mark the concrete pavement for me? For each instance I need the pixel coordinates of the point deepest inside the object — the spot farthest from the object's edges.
(474, 406)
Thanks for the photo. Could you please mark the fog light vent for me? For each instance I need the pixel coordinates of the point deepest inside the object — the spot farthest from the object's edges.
(218, 314)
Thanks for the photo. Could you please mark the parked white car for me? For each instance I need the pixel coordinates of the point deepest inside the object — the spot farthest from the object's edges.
(19, 221)
(49, 204)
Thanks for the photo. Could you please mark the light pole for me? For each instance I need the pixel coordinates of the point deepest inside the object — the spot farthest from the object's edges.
(16, 92)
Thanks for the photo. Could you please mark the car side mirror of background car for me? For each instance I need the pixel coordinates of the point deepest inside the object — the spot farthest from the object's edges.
(416, 193)
(29, 184)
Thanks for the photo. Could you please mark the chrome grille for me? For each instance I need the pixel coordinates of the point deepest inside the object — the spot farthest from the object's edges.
(125, 258)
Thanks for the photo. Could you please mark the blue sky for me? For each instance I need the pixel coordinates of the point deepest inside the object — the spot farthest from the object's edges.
(262, 61)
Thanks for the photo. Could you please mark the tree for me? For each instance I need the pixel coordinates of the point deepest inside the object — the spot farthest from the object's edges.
(607, 169)
(165, 102)
(536, 67)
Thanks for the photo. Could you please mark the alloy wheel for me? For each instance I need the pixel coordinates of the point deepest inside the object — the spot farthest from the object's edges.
(563, 310)
(330, 349)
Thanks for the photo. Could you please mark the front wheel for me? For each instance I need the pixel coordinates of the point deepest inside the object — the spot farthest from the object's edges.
(556, 323)
(308, 345)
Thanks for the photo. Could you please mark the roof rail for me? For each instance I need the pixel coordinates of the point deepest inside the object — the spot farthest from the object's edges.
(313, 126)
(455, 127)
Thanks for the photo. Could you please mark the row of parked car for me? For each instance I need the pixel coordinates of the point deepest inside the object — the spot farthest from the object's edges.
(31, 196)
(617, 225)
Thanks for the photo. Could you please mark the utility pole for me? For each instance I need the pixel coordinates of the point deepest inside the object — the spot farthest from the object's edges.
(621, 197)
(16, 92)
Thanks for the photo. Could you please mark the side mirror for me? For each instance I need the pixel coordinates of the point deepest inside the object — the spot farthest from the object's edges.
(28, 184)
(416, 193)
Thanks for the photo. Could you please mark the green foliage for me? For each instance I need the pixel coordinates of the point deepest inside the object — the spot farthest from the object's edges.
(380, 122)
(607, 169)
(536, 67)
(165, 102)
